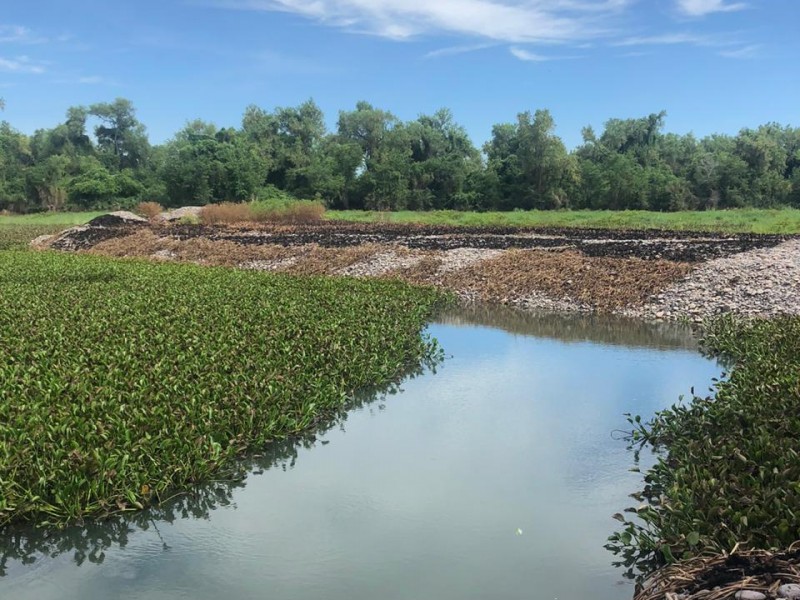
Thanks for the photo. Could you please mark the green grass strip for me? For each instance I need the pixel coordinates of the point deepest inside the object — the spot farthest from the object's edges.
(777, 221)
(51, 218)
(728, 471)
(746, 220)
(122, 381)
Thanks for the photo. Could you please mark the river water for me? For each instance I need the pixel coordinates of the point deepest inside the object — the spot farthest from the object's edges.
(494, 477)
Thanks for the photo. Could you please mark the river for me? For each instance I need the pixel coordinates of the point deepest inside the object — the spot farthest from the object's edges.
(493, 477)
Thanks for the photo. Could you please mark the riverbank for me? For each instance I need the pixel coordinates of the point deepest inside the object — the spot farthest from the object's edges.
(726, 483)
(647, 274)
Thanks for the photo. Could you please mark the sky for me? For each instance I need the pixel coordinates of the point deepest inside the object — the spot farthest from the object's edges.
(715, 66)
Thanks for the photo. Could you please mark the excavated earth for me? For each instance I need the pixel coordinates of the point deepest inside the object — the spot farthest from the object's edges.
(652, 274)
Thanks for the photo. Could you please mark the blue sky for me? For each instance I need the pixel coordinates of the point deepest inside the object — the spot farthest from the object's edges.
(713, 65)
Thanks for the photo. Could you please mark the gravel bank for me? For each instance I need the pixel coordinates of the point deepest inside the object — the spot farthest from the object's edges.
(758, 283)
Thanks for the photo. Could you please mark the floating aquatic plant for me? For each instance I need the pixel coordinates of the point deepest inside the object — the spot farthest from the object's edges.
(122, 382)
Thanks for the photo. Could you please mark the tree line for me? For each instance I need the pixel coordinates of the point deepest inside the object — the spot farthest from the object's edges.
(100, 157)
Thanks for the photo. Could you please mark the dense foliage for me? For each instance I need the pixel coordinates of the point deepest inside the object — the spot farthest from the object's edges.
(375, 161)
(728, 470)
(122, 381)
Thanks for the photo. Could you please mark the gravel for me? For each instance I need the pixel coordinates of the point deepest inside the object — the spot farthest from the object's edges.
(757, 283)
(381, 264)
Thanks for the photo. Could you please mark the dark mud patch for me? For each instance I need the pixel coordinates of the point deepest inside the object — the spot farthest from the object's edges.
(644, 244)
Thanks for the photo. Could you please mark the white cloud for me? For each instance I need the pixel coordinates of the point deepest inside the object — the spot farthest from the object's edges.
(21, 64)
(91, 80)
(744, 52)
(700, 8)
(515, 21)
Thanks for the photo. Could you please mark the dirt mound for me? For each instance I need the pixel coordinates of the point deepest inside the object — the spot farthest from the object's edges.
(116, 219)
(191, 212)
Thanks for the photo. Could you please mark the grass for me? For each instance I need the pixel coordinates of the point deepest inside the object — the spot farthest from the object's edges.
(122, 382)
(728, 471)
(17, 237)
(784, 221)
(750, 220)
(51, 218)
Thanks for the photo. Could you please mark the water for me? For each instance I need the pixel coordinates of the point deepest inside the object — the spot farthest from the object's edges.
(496, 477)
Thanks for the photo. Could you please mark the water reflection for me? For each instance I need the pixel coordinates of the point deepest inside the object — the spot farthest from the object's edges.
(578, 327)
(88, 542)
(495, 477)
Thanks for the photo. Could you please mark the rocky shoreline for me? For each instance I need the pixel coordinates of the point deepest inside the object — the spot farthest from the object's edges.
(653, 275)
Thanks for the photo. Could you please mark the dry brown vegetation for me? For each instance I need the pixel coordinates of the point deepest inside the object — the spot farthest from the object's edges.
(298, 213)
(226, 212)
(149, 210)
(145, 243)
(295, 214)
(603, 283)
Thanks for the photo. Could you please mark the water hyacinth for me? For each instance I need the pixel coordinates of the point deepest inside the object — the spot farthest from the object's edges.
(122, 382)
(728, 472)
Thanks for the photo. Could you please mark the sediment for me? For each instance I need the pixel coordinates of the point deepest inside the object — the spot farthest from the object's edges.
(650, 274)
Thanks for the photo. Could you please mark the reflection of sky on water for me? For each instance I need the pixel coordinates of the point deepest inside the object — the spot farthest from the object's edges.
(423, 498)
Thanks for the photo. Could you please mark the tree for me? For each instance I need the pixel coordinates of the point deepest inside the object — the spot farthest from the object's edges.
(203, 164)
(15, 158)
(120, 135)
(443, 158)
(381, 178)
(95, 186)
(530, 163)
(46, 182)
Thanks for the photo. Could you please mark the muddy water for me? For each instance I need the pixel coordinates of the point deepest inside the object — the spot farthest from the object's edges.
(495, 477)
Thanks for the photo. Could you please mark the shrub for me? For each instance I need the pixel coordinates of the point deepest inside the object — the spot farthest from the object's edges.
(296, 213)
(149, 209)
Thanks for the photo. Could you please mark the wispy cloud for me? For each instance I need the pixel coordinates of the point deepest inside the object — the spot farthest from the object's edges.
(666, 39)
(85, 80)
(528, 56)
(17, 34)
(514, 21)
(21, 64)
(453, 50)
(700, 8)
(751, 51)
